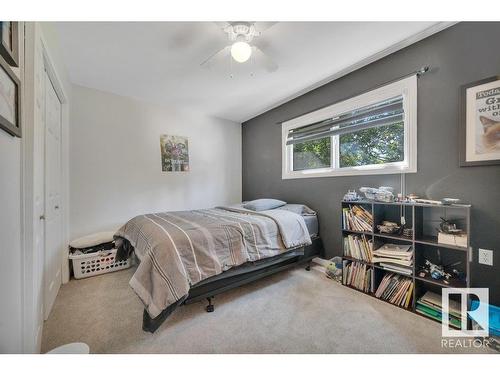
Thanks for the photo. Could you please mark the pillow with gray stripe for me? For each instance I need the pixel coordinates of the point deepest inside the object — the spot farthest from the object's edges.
(263, 204)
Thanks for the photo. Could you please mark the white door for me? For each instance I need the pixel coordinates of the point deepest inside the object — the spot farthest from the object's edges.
(53, 222)
(39, 195)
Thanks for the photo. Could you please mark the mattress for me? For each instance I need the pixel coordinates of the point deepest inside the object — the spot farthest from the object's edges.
(312, 224)
(312, 227)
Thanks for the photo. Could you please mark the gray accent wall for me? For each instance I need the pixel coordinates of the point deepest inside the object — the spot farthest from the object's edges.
(458, 55)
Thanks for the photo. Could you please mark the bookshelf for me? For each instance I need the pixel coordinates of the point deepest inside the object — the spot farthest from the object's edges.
(423, 219)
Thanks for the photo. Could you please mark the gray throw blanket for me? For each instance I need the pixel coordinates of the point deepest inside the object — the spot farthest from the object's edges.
(179, 249)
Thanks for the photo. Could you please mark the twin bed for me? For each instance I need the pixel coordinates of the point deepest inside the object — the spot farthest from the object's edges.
(189, 256)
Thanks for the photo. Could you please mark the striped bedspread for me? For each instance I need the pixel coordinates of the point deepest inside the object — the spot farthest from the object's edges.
(179, 249)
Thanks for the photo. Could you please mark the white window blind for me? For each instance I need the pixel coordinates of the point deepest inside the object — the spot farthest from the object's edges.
(384, 113)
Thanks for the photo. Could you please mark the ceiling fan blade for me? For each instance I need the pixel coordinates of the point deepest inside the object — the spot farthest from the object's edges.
(217, 55)
(263, 26)
(221, 24)
(266, 61)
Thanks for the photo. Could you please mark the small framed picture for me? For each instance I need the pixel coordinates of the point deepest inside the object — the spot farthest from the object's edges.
(10, 100)
(9, 46)
(174, 153)
(480, 123)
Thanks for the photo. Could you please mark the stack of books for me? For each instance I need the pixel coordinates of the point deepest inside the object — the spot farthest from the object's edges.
(357, 218)
(430, 305)
(394, 257)
(396, 289)
(358, 247)
(358, 276)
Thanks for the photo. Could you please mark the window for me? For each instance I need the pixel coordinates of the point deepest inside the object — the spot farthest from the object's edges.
(373, 133)
(312, 154)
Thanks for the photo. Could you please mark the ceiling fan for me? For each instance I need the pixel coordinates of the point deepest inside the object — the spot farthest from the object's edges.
(242, 48)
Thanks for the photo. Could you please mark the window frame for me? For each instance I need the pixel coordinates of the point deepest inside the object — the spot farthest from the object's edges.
(406, 87)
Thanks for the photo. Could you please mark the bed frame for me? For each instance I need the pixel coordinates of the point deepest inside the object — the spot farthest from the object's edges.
(239, 276)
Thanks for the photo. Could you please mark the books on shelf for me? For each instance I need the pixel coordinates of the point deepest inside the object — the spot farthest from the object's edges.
(358, 247)
(430, 305)
(384, 265)
(357, 275)
(394, 255)
(396, 289)
(357, 218)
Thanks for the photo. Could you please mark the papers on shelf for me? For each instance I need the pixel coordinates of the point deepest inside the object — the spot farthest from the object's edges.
(395, 254)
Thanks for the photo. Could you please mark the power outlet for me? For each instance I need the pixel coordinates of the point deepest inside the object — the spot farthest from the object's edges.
(486, 257)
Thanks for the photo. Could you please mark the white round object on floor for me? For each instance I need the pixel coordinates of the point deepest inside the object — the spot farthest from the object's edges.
(73, 348)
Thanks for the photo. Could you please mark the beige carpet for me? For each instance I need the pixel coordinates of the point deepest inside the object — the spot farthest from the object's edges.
(292, 312)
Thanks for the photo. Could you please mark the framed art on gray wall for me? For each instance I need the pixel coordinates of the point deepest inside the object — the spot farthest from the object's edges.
(10, 100)
(9, 46)
(480, 122)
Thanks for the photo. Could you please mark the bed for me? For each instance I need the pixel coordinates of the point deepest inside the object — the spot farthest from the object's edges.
(188, 256)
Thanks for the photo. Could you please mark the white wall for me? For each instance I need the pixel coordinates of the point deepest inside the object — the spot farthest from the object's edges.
(10, 235)
(10, 244)
(115, 164)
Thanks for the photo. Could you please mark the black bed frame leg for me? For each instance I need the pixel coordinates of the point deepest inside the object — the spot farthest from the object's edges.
(210, 308)
(308, 267)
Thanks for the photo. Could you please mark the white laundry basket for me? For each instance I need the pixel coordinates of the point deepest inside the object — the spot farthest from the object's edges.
(86, 265)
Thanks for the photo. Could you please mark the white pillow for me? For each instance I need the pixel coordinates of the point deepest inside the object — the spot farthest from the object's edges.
(92, 240)
(263, 204)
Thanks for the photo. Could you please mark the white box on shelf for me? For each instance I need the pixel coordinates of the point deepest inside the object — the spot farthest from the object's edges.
(452, 239)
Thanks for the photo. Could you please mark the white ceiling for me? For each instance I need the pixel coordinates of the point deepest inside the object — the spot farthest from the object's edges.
(160, 62)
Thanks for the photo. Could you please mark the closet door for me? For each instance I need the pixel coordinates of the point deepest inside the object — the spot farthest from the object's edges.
(53, 181)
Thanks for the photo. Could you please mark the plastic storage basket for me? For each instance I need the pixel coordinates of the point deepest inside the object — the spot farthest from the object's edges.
(86, 265)
(494, 322)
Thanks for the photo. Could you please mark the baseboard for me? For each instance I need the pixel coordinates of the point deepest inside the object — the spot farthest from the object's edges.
(38, 339)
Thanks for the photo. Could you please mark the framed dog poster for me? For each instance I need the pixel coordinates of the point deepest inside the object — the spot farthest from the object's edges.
(10, 100)
(9, 42)
(480, 123)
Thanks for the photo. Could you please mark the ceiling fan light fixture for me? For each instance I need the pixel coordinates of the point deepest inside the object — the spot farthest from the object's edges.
(241, 51)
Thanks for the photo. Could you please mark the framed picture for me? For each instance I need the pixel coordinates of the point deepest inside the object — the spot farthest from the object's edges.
(10, 99)
(174, 153)
(9, 47)
(480, 123)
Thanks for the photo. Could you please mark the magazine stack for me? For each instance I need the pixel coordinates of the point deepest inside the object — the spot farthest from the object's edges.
(394, 257)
